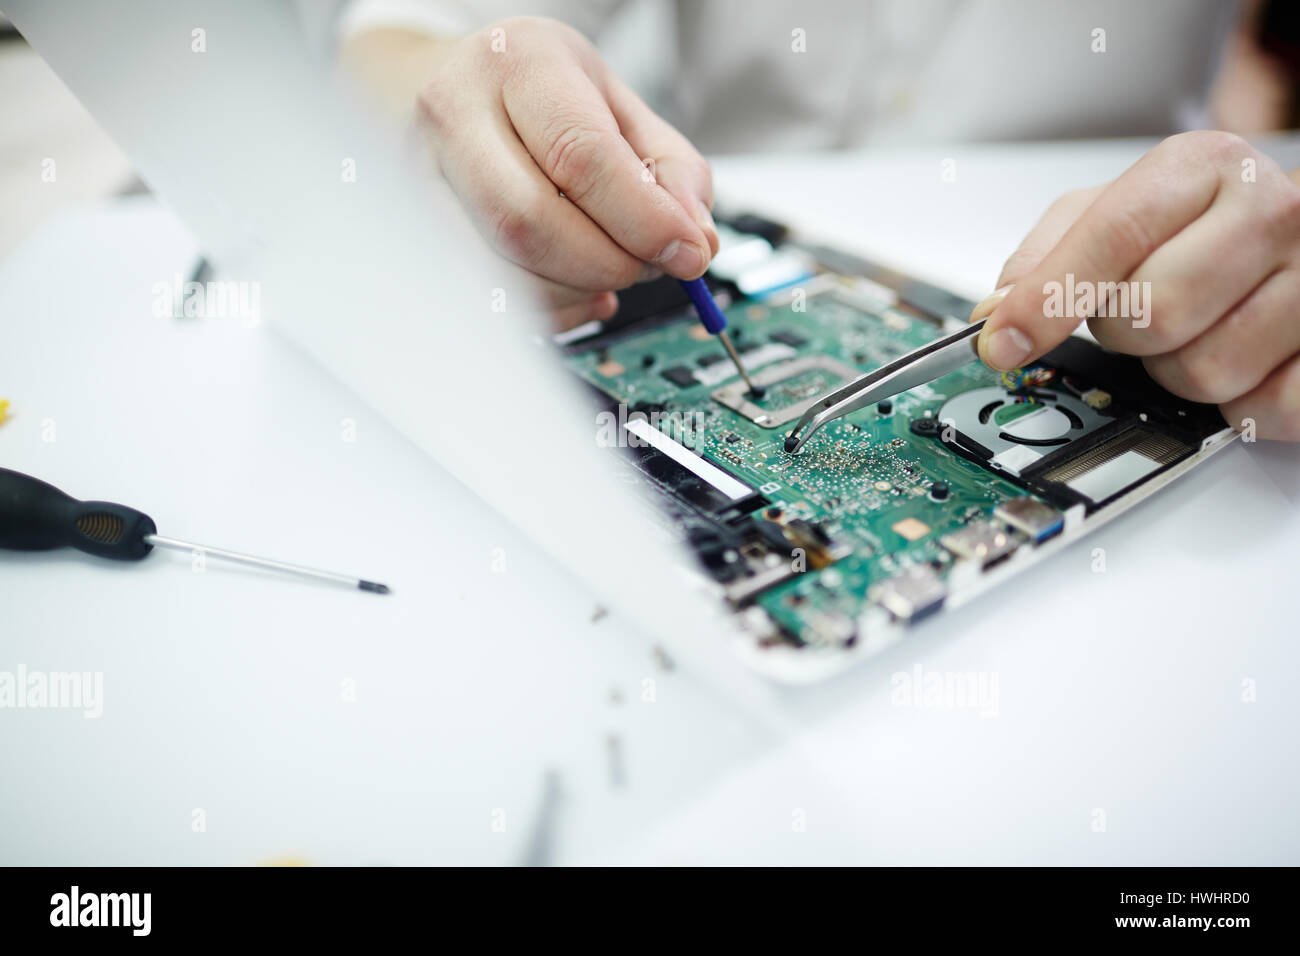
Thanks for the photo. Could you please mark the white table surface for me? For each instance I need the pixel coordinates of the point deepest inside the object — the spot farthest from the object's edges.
(1118, 691)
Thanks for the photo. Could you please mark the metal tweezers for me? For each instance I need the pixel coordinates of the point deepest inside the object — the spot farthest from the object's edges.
(907, 371)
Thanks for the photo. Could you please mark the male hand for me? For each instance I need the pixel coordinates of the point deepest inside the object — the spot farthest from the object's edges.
(567, 172)
(1210, 228)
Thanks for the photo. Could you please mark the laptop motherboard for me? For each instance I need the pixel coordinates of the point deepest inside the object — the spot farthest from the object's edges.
(892, 511)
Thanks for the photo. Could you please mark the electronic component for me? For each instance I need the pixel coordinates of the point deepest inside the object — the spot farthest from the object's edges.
(1038, 520)
(800, 382)
(826, 628)
(814, 540)
(1034, 376)
(702, 469)
(981, 542)
(680, 376)
(1012, 431)
(925, 427)
(1096, 398)
(752, 224)
(1108, 469)
(910, 594)
(913, 529)
(939, 491)
(767, 549)
(792, 339)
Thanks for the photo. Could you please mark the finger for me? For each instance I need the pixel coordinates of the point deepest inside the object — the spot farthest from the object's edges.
(554, 296)
(669, 156)
(1188, 283)
(597, 308)
(519, 210)
(680, 176)
(1039, 241)
(1130, 219)
(1238, 352)
(567, 127)
(990, 302)
(1047, 232)
(1273, 407)
(525, 293)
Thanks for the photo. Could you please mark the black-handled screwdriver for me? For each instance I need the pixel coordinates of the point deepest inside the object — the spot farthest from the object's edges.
(35, 516)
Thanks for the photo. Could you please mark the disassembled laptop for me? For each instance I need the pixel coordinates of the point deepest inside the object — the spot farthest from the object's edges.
(892, 513)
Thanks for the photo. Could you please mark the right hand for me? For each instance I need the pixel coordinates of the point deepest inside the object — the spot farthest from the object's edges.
(565, 170)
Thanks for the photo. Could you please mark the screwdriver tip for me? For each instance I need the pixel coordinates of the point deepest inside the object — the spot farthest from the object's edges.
(372, 586)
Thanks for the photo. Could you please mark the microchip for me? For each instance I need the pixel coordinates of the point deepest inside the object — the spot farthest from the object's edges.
(679, 375)
(982, 542)
(1038, 520)
(710, 359)
(911, 594)
(792, 339)
(911, 528)
(1096, 398)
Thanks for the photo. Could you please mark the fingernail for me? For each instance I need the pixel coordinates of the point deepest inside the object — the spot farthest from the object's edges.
(649, 273)
(990, 302)
(1007, 348)
(682, 258)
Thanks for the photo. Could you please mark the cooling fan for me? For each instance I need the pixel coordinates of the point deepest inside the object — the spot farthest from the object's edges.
(1012, 427)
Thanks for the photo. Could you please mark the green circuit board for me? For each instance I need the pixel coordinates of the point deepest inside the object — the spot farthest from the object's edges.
(867, 478)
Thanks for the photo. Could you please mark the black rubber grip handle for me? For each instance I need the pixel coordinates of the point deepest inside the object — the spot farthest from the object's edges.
(35, 516)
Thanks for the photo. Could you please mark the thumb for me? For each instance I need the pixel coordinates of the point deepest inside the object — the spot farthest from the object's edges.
(1018, 330)
(1002, 345)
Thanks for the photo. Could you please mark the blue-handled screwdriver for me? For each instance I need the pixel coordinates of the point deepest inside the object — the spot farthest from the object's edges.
(715, 322)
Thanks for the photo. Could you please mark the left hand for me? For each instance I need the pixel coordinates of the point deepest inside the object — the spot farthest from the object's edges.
(1204, 230)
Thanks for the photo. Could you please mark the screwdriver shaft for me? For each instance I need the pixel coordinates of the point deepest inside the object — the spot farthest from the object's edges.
(735, 357)
(159, 541)
(715, 323)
